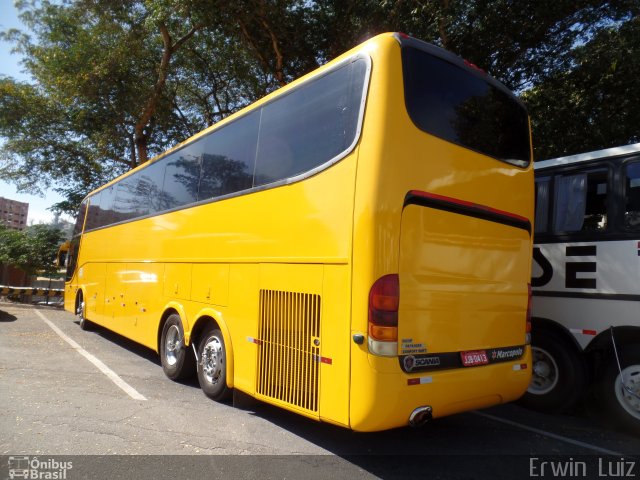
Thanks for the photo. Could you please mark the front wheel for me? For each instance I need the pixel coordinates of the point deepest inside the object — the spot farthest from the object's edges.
(212, 365)
(559, 377)
(80, 313)
(618, 388)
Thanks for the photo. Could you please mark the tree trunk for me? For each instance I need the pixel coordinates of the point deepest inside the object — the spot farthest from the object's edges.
(143, 129)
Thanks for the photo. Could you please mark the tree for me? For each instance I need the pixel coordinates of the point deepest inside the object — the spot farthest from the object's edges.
(33, 249)
(99, 102)
(595, 104)
(118, 82)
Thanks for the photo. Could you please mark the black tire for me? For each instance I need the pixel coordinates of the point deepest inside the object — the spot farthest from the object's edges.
(559, 378)
(622, 407)
(177, 359)
(84, 324)
(212, 365)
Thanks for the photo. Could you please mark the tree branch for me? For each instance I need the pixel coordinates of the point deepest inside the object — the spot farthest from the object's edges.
(169, 48)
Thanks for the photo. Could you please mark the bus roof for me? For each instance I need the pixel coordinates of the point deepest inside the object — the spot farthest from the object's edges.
(583, 157)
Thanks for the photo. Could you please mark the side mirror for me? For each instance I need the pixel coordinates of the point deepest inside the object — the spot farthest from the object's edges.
(61, 258)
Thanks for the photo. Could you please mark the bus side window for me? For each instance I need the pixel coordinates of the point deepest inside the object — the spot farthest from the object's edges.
(542, 204)
(93, 212)
(632, 197)
(581, 202)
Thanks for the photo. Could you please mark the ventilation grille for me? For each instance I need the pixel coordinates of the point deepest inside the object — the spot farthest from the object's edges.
(289, 348)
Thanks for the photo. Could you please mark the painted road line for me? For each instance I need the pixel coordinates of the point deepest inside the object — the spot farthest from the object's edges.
(555, 436)
(111, 375)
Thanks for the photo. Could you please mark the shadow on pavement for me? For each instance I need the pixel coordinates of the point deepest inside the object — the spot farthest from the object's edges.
(7, 317)
(125, 343)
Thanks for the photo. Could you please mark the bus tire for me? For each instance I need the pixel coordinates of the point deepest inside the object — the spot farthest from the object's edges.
(84, 324)
(177, 359)
(559, 378)
(621, 406)
(212, 365)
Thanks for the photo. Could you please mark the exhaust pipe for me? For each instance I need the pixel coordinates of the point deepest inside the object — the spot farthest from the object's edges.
(420, 416)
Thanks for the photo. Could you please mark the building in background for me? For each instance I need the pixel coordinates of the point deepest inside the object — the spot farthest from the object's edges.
(13, 214)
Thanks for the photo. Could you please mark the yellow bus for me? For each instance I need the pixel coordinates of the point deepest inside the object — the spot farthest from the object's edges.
(354, 247)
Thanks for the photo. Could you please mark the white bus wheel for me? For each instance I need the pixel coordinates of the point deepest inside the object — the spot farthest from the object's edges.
(212, 365)
(619, 392)
(177, 358)
(559, 373)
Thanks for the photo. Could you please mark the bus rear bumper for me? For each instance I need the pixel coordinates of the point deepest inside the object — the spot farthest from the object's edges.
(382, 400)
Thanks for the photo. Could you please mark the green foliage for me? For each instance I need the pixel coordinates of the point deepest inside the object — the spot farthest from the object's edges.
(33, 249)
(115, 83)
(595, 104)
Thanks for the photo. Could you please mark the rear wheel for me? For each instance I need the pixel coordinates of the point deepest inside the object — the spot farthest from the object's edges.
(212, 365)
(618, 391)
(177, 359)
(559, 377)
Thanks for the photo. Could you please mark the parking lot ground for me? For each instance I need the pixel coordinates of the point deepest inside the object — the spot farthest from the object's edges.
(57, 401)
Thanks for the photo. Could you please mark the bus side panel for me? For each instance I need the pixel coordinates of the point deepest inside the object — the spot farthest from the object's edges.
(94, 289)
(241, 319)
(210, 283)
(142, 302)
(588, 267)
(585, 318)
(584, 268)
(113, 295)
(177, 281)
(335, 348)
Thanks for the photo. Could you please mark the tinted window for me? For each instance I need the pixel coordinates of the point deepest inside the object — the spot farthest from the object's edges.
(182, 176)
(77, 229)
(293, 134)
(126, 201)
(310, 125)
(152, 178)
(460, 107)
(107, 200)
(229, 158)
(93, 212)
(632, 197)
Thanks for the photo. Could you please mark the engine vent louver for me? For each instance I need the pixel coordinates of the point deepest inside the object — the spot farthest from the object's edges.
(289, 348)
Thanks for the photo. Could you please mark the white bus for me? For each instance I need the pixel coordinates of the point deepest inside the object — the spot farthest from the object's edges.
(586, 283)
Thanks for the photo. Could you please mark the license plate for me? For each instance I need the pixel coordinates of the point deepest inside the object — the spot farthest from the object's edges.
(476, 357)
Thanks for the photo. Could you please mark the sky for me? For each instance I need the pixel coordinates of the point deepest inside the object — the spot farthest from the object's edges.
(10, 67)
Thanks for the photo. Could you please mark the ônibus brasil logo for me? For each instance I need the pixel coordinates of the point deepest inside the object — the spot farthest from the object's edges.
(37, 468)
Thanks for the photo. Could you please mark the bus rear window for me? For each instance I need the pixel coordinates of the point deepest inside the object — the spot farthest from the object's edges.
(456, 105)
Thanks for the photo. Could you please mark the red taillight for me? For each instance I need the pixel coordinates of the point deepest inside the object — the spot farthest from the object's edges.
(384, 300)
(474, 66)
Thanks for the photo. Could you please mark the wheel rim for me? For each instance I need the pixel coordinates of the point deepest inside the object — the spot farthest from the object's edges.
(629, 401)
(80, 309)
(212, 360)
(172, 345)
(545, 372)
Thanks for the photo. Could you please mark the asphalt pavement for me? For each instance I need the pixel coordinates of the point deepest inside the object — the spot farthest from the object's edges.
(103, 403)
